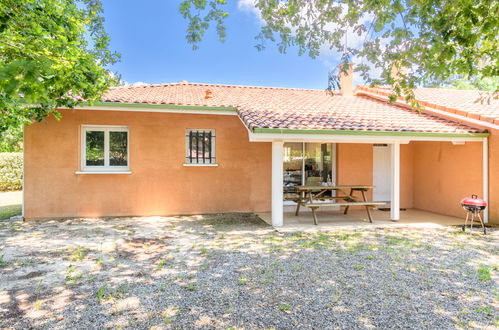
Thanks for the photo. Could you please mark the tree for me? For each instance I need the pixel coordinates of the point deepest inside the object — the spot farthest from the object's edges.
(426, 40)
(490, 84)
(53, 53)
(11, 139)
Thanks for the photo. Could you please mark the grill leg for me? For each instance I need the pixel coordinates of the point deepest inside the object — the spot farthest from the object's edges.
(481, 222)
(466, 221)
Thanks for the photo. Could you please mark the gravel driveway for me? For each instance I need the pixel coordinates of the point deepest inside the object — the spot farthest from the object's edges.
(234, 271)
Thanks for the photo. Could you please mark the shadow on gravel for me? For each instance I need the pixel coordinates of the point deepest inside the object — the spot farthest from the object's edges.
(233, 270)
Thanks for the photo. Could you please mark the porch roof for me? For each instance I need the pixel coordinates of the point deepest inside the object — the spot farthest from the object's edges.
(289, 110)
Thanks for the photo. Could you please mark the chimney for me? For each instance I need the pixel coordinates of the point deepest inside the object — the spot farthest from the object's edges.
(346, 80)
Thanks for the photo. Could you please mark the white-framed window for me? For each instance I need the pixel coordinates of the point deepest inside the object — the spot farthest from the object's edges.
(104, 148)
(200, 147)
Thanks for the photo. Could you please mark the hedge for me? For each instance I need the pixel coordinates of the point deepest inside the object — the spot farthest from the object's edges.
(11, 171)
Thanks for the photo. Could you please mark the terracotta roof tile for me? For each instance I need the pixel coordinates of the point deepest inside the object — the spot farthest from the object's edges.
(269, 107)
(474, 104)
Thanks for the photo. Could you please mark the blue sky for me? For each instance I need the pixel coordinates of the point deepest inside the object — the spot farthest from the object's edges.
(150, 35)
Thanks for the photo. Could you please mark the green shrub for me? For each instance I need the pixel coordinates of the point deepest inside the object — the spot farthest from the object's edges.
(11, 171)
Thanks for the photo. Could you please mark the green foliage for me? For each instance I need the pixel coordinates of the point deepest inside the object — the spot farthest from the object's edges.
(52, 54)
(426, 40)
(484, 273)
(3, 262)
(285, 308)
(11, 140)
(485, 84)
(101, 293)
(11, 171)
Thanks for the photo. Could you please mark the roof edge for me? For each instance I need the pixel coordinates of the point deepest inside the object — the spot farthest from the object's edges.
(429, 106)
(370, 133)
(157, 106)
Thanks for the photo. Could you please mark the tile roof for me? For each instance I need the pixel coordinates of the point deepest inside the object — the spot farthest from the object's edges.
(474, 104)
(288, 108)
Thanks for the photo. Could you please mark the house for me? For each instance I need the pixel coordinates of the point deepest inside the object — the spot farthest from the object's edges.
(186, 148)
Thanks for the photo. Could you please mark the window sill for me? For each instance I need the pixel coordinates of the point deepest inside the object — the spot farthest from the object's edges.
(203, 165)
(103, 172)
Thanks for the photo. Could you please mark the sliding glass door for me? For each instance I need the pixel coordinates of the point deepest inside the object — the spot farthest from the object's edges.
(308, 164)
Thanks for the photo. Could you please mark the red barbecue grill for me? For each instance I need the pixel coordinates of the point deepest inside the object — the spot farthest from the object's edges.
(473, 206)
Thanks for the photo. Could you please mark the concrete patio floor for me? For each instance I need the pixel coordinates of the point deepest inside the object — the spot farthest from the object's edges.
(332, 219)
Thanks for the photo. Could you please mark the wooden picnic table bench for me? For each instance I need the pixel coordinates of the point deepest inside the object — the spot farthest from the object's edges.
(309, 195)
(315, 206)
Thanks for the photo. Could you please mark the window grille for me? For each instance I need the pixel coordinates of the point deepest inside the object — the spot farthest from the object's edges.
(200, 146)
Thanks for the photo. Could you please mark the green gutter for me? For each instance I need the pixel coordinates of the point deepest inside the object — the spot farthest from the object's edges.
(370, 133)
(157, 106)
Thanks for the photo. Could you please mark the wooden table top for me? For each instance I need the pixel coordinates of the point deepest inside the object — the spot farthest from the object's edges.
(319, 187)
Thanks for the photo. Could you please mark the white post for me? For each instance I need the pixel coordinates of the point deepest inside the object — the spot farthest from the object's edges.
(395, 181)
(277, 183)
(485, 167)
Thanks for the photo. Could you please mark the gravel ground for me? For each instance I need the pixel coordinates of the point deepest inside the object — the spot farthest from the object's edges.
(234, 271)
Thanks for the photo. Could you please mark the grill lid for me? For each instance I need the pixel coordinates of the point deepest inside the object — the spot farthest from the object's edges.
(473, 201)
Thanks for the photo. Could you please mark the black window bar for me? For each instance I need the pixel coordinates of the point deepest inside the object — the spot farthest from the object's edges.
(197, 147)
(190, 146)
(209, 145)
(201, 143)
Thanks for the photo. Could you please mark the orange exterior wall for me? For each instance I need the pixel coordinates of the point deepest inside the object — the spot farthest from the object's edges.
(355, 167)
(159, 183)
(494, 176)
(355, 164)
(445, 173)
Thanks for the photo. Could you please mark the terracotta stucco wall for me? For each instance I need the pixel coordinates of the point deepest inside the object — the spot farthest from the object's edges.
(445, 173)
(494, 176)
(355, 166)
(159, 184)
(407, 176)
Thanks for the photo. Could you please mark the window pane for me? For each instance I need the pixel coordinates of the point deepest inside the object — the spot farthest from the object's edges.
(118, 148)
(95, 148)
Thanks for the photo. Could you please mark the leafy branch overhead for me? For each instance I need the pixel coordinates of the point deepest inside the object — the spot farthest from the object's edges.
(51, 53)
(428, 41)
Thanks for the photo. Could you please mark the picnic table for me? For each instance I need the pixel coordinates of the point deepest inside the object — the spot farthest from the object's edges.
(310, 195)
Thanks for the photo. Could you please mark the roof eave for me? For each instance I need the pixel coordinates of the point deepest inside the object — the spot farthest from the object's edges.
(94, 105)
(289, 131)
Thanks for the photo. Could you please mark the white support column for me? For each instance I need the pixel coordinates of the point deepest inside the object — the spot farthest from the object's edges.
(395, 181)
(277, 183)
(485, 167)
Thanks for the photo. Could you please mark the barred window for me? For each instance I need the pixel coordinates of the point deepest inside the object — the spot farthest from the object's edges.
(200, 146)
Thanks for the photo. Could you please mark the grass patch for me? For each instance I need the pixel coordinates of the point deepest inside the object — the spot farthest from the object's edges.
(243, 281)
(9, 211)
(3, 262)
(38, 305)
(284, 308)
(78, 253)
(101, 293)
(484, 273)
(71, 277)
(484, 309)
(161, 264)
(359, 267)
